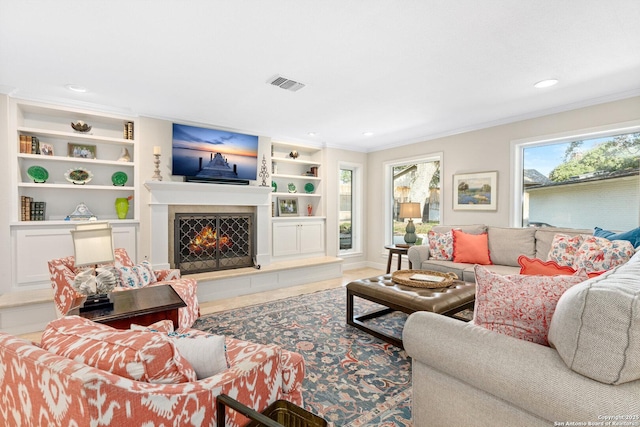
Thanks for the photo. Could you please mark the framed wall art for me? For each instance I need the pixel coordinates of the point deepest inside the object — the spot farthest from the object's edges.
(287, 206)
(475, 191)
(82, 151)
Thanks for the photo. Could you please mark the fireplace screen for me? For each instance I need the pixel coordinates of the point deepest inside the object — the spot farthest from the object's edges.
(213, 241)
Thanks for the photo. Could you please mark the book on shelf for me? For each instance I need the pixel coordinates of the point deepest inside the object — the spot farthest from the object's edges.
(25, 208)
(29, 144)
(31, 210)
(128, 130)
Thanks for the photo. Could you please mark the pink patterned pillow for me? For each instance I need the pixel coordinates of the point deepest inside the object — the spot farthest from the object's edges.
(564, 248)
(140, 356)
(518, 305)
(598, 253)
(440, 245)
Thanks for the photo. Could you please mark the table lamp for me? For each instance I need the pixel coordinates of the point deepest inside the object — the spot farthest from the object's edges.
(410, 210)
(93, 245)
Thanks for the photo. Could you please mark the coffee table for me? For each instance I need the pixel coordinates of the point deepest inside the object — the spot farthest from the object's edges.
(396, 297)
(142, 306)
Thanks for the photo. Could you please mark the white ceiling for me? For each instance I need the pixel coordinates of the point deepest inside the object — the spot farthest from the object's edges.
(406, 70)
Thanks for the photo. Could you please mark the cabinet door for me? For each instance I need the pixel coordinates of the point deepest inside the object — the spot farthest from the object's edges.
(311, 237)
(285, 239)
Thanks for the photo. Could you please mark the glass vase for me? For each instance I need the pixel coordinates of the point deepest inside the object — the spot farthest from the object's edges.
(122, 207)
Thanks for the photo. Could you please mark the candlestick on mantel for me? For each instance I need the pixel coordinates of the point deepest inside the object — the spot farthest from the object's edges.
(156, 161)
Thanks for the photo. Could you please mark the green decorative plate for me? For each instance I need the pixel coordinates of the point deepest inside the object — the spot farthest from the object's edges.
(38, 174)
(309, 188)
(78, 176)
(119, 178)
(274, 186)
(292, 187)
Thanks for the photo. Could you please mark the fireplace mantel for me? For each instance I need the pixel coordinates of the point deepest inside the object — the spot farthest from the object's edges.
(186, 193)
(167, 193)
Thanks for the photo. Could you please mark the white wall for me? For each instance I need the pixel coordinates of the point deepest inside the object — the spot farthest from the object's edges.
(5, 193)
(478, 151)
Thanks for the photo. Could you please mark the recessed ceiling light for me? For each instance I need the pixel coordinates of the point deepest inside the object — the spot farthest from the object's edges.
(545, 83)
(76, 88)
(313, 134)
(367, 133)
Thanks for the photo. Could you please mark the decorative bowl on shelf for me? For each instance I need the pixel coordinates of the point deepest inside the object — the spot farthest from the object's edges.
(38, 174)
(291, 187)
(119, 178)
(309, 188)
(80, 126)
(78, 176)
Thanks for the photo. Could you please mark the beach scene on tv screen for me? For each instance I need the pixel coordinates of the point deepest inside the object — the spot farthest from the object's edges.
(213, 154)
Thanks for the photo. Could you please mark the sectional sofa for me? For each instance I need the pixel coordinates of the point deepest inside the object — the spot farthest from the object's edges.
(467, 375)
(505, 246)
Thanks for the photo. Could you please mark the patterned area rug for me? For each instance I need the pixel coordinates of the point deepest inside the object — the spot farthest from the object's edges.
(352, 379)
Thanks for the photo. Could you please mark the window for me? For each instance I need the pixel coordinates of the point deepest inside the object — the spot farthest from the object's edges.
(583, 181)
(417, 182)
(350, 208)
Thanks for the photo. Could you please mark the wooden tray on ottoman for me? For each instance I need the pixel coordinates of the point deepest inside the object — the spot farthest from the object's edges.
(407, 278)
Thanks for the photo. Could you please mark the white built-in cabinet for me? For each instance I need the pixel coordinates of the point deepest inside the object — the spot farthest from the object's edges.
(111, 136)
(300, 178)
(302, 237)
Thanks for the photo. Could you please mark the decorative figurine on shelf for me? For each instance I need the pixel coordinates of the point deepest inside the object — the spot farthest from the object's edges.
(264, 171)
(124, 155)
(156, 161)
(309, 209)
(82, 212)
(81, 126)
(294, 154)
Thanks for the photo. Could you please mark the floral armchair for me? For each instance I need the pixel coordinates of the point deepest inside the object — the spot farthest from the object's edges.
(63, 272)
(41, 388)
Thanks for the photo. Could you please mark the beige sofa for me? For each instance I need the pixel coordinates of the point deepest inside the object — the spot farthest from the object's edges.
(465, 375)
(505, 246)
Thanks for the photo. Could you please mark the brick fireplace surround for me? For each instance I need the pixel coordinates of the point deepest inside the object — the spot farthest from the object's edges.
(167, 198)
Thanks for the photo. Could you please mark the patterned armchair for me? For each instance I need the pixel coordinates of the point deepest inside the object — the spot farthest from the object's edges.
(41, 388)
(63, 272)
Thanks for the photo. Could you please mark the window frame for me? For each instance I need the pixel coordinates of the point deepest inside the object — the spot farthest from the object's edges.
(517, 157)
(357, 218)
(388, 187)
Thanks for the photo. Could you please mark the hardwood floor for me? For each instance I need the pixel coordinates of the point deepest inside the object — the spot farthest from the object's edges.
(262, 297)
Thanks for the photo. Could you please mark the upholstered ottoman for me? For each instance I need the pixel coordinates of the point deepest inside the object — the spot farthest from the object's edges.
(396, 297)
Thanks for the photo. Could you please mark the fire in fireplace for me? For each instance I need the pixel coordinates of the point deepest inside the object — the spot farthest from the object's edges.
(213, 241)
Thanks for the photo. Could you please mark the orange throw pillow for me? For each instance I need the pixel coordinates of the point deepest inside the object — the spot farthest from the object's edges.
(536, 266)
(471, 248)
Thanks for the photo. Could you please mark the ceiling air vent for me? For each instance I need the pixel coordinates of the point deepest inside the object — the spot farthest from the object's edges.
(285, 83)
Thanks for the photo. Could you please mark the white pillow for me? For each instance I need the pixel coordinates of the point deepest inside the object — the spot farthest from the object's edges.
(207, 353)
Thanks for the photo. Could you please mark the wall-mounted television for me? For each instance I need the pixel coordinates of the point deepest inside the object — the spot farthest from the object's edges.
(202, 154)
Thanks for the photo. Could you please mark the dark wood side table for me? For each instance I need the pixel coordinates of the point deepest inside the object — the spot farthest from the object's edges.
(394, 249)
(142, 306)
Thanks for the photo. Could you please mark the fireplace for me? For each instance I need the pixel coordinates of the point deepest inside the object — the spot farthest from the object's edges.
(213, 241)
(170, 198)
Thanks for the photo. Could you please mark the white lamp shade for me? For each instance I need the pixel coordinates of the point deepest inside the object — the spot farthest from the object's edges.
(92, 245)
(410, 210)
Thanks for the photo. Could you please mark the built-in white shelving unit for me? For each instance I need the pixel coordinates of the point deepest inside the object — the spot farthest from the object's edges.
(37, 241)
